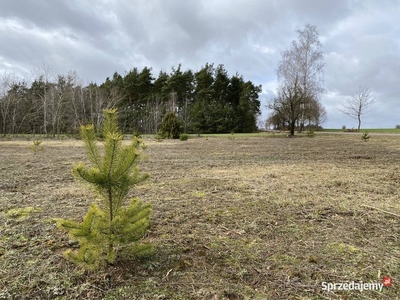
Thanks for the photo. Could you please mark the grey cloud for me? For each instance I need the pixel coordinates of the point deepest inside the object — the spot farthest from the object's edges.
(51, 15)
(98, 37)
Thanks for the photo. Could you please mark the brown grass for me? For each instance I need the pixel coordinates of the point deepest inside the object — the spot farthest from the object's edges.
(243, 218)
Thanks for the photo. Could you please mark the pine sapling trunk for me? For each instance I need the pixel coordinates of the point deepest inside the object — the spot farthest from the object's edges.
(110, 201)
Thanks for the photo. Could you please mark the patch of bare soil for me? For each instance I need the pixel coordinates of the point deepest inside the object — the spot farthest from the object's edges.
(242, 218)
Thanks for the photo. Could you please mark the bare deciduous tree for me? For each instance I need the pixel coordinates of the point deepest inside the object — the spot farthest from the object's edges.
(315, 113)
(100, 99)
(321, 114)
(4, 103)
(359, 104)
(300, 75)
(7, 101)
(60, 92)
(43, 76)
(17, 97)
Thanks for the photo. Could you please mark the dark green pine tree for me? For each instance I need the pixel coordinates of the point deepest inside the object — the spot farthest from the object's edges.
(201, 117)
(171, 127)
(109, 227)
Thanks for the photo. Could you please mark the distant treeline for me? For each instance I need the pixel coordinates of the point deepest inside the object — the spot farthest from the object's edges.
(206, 101)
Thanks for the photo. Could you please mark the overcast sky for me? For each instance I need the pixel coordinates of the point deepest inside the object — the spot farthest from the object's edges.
(95, 38)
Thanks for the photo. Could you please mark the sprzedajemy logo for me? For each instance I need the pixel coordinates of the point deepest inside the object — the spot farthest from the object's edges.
(357, 285)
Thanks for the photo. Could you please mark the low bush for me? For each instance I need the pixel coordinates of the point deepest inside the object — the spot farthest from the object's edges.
(183, 136)
(310, 133)
(36, 147)
(365, 137)
(171, 127)
(159, 137)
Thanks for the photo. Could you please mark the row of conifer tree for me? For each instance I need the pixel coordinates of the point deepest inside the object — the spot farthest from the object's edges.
(205, 101)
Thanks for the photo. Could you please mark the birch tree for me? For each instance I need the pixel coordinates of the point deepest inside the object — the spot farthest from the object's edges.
(359, 104)
(300, 77)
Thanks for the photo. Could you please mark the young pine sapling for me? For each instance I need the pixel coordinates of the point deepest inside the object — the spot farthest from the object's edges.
(109, 227)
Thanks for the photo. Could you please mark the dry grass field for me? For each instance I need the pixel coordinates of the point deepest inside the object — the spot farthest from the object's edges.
(234, 218)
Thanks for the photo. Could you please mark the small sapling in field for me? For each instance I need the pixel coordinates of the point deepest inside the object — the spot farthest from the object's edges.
(36, 147)
(365, 137)
(111, 227)
(183, 137)
(159, 137)
(311, 133)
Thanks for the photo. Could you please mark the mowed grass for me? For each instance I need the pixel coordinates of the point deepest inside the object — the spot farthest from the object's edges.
(234, 218)
(371, 130)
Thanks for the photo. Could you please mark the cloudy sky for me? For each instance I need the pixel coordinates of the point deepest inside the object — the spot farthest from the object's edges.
(95, 38)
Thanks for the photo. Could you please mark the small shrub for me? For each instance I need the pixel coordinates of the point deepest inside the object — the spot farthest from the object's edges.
(397, 126)
(183, 136)
(36, 147)
(232, 136)
(365, 137)
(171, 127)
(310, 133)
(159, 137)
(343, 127)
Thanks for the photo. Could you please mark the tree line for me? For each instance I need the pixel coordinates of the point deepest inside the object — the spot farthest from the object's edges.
(205, 101)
